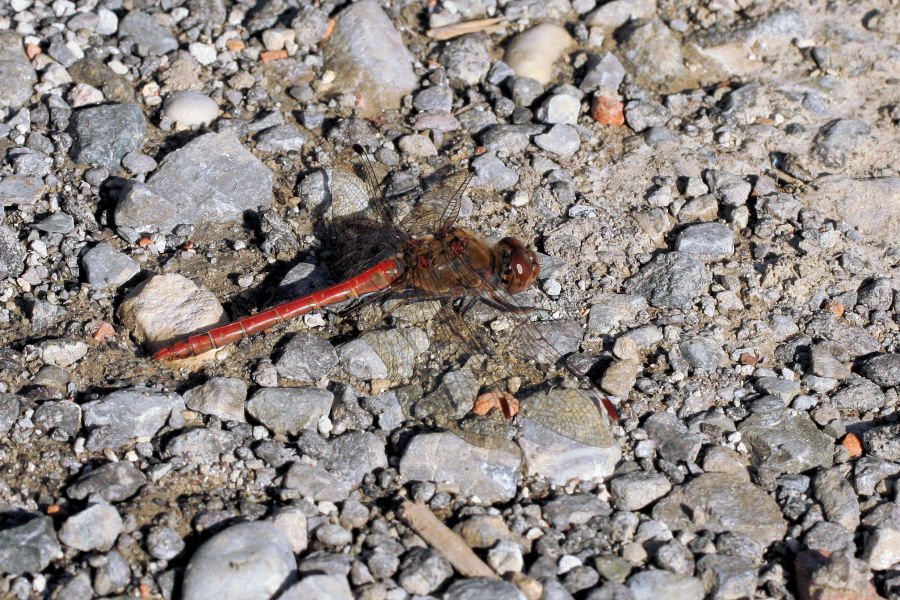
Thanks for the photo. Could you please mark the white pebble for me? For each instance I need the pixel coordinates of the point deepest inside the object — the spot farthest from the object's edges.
(532, 53)
(278, 38)
(108, 23)
(205, 54)
(190, 109)
(83, 94)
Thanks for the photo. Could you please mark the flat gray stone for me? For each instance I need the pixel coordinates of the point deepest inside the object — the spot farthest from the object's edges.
(670, 280)
(654, 584)
(94, 528)
(202, 445)
(635, 490)
(150, 38)
(489, 474)
(332, 587)
(16, 72)
(307, 358)
(105, 267)
(290, 410)
(114, 482)
(211, 179)
(29, 547)
(220, 396)
(786, 441)
(121, 416)
(720, 502)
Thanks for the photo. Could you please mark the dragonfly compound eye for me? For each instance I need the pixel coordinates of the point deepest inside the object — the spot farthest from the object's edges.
(520, 265)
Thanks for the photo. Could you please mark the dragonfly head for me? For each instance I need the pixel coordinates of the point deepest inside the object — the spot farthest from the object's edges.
(520, 265)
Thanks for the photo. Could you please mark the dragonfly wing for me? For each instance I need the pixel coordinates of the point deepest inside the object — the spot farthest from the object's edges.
(577, 414)
(357, 190)
(438, 206)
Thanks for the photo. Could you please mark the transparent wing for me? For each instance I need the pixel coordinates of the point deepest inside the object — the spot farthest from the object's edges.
(438, 207)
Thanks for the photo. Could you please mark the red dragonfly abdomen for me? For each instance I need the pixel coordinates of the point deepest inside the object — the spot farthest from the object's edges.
(376, 278)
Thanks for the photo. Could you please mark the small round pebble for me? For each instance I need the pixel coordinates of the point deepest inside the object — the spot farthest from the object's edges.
(190, 109)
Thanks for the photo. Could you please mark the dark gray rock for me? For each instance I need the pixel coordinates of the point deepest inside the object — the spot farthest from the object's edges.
(467, 58)
(829, 537)
(837, 497)
(58, 222)
(728, 188)
(106, 267)
(670, 280)
(62, 415)
(883, 441)
(641, 114)
(331, 586)
(883, 369)
(281, 138)
(858, 394)
(114, 482)
(29, 547)
(105, 134)
(877, 294)
(126, 414)
(483, 588)
(436, 97)
(653, 584)
(869, 471)
(703, 353)
(12, 253)
(423, 570)
(602, 72)
(574, 509)
(673, 441)
(9, 411)
(634, 491)
(727, 577)
(560, 139)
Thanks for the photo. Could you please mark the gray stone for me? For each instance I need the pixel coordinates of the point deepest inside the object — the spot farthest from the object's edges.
(703, 353)
(489, 474)
(602, 72)
(114, 482)
(384, 354)
(164, 543)
(786, 441)
(785, 389)
(483, 588)
(121, 416)
(105, 134)
(643, 114)
(281, 138)
(306, 358)
(58, 222)
(877, 294)
(423, 571)
(574, 509)
(315, 483)
(560, 459)
(94, 528)
(332, 534)
(858, 394)
(222, 397)
(883, 441)
(77, 588)
(62, 415)
(670, 280)
(727, 577)
(635, 490)
(12, 253)
(560, 107)
(25, 190)
(9, 411)
(106, 267)
(676, 557)
(652, 53)
(711, 241)
(369, 58)
(823, 364)
(561, 139)
(467, 58)
(28, 162)
(883, 369)
(211, 179)
(29, 547)
(138, 163)
(719, 502)
(16, 72)
(150, 38)
(310, 25)
(62, 352)
(837, 497)
(508, 139)
(728, 188)
(673, 441)
(609, 311)
(248, 561)
(663, 585)
(491, 172)
(869, 471)
(290, 410)
(436, 97)
(353, 455)
(829, 537)
(332, 587)
(201, 445)
(882, 550)
(113, 575)
(837, 139)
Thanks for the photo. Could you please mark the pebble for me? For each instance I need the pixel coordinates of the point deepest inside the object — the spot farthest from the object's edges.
(836, 141)
(560, 139)
(211, 179)
(28, 547)
(290, 410)
(673, 441)
(12, 253)
(113, 575)
(164, 543)
(710, 241)
(306, 358)
(533, 52)
(202, 446)
(292, 523)
(483, 588)
(188, 109)
(488, 474)
(786, 441)
(662, 585)
(703, 353)
(467, 58)
(105, 267)
(94, 528)
(883, 441)
(243, 562)
(417, 145)
(727, 577)
(727, 504)
(332, 587)
(634, 491)
(62, 352)
(149, 37)
(559, 108)
(603, 72)
(883, 369)
(23, 190)
(436, 97)
(491, 172)
(882, 550)
(609, 311)
(368, 58)
(612, 15)
(9, 411)
(16, 71)
(114, 482)
(222, 397)
(652, 54)
(103, 135)
(281, 138)
(121, 416)
(728, 188)
(165, 308)
(670, 280)
(422, 571)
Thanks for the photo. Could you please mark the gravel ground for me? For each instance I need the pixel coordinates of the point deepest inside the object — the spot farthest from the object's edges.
(714, 191)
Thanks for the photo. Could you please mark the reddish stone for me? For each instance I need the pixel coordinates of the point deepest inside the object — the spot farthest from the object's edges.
(607, 111)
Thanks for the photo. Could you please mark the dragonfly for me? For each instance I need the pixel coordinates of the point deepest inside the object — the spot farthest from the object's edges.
(425, 258)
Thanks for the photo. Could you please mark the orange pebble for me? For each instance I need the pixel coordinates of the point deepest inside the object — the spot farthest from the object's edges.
(505, 401)
(268, 55)
(104, 331)
(607, 111)
(852, 443)
(835, 307)
(32, 50)
(235, 44)
(144, 242)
